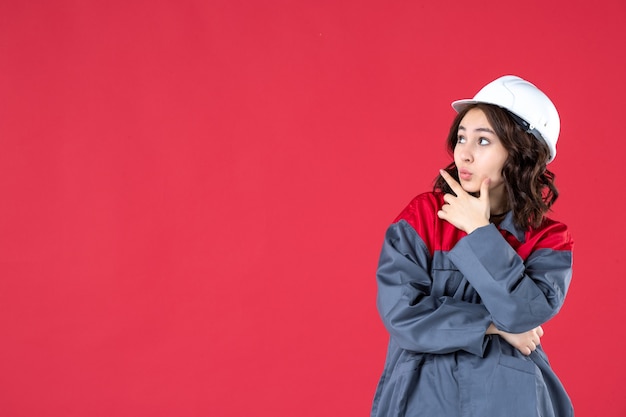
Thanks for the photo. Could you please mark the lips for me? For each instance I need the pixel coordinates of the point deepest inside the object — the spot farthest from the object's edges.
(465, 174)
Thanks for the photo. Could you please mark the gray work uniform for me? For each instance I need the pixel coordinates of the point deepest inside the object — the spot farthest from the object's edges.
(439, 289)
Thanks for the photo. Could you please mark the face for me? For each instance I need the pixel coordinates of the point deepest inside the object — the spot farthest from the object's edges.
(480, 154)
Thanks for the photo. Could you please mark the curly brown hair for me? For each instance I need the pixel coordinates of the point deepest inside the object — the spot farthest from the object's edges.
(529, 184)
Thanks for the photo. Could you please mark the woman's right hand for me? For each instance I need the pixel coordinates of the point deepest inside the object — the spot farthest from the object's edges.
(525, 342)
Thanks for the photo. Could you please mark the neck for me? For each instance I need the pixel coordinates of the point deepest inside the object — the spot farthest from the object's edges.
(497, 214)
(498, 203)
(500, 211)
(499, 207)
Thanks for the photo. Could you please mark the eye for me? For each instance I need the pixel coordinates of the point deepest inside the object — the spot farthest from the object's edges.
(483, 141)
(460, 139)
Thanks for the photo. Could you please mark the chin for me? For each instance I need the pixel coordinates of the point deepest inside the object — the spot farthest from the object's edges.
(470, 188)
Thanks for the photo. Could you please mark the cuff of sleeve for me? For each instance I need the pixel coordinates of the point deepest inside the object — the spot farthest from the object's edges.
(485, 250)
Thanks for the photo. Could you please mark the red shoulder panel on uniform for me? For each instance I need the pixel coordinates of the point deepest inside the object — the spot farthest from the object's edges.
(439, 235)
(421, 214)
(549, 235)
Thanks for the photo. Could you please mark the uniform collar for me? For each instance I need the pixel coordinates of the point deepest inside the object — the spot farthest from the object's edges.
(508, 224)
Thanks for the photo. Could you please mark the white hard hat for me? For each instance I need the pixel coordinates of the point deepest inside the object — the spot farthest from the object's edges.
(521, 98)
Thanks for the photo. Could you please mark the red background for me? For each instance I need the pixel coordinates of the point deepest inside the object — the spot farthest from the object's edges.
(194, 193)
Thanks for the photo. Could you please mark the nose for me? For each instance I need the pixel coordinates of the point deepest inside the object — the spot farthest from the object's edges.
(465, 154)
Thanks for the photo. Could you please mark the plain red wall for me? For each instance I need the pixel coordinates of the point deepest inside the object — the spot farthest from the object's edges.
(193, 194)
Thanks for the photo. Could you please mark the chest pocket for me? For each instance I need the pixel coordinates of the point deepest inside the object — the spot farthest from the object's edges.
(448, 281)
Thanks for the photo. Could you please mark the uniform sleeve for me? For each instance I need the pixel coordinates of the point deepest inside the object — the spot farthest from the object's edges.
(416, 320)
(520, 295)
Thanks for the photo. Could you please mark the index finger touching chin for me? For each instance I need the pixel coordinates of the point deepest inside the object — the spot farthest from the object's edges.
(456, 187)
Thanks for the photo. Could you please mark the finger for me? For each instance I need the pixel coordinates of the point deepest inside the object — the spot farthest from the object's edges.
(443, 211)
(540, 331)
(454, 185)
(484, 189)
(448, 198)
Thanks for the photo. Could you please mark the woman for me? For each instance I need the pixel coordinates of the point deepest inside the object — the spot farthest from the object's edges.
(469, 272)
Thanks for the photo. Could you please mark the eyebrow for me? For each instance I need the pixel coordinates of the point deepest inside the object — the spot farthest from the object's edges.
(480, 129)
